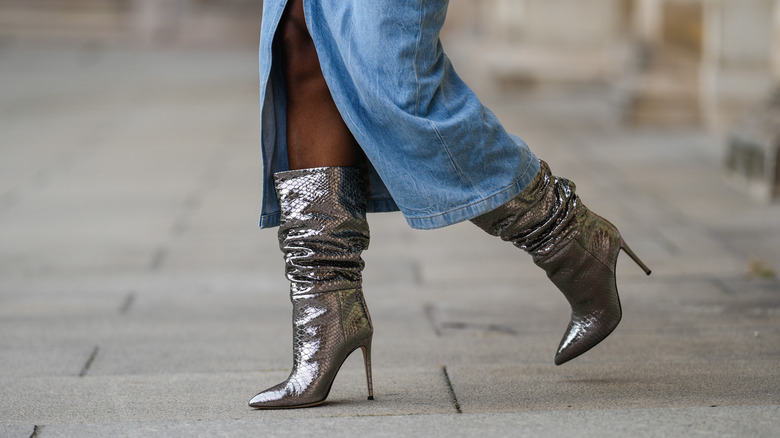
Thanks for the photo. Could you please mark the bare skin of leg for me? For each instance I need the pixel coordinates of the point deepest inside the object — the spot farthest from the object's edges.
(316, 133)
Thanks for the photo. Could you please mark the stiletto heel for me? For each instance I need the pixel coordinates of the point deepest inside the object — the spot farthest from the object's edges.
(366, 347)
(576, 247)
(624, 247)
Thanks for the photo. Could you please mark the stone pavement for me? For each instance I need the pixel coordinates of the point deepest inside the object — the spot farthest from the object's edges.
(138, 297)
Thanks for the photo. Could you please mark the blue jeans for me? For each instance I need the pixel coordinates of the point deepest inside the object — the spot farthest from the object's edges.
(435, 152)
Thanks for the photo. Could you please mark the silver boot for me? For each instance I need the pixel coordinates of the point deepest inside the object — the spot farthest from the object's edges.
(322, 234)
(577, 248)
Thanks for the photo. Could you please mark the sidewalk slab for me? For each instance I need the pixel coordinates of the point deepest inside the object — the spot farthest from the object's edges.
(756, 421)
(213, 396)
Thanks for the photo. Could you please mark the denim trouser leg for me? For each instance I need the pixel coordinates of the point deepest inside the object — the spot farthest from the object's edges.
(434, 147)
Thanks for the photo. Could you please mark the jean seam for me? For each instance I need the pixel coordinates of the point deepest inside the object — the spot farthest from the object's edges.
(415, 64)
(458, 170)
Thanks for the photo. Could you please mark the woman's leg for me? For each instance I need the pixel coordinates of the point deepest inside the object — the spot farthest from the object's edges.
(316, 133)
(440, 145)
(323, 229)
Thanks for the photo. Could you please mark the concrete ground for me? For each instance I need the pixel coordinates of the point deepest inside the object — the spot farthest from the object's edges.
(138, 297)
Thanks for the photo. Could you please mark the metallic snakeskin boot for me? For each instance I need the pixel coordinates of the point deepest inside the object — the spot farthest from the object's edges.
(576, 248)
(322, 234)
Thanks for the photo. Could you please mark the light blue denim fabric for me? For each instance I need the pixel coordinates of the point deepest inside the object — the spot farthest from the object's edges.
(433, 146)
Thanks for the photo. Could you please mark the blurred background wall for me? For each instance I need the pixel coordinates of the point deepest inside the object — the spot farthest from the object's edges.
(663, 63)
(668, 62)
(149, 23)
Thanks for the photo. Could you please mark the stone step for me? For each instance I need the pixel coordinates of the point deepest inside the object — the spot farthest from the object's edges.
(659, 100)
(667, 92)
(62, 19)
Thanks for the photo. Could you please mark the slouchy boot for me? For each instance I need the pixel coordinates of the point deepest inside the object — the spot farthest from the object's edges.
(576, 248)
(322, 234)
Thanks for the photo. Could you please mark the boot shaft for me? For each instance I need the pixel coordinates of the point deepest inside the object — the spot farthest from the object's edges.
(323, 228)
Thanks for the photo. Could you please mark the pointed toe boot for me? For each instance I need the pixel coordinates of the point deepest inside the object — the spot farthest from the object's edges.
(575, 247)
(322, 234)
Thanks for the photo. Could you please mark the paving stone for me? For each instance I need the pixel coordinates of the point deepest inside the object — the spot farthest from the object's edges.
(720, 421)
(514, 388)
(17, 431)
(39, 360)
(181, 397)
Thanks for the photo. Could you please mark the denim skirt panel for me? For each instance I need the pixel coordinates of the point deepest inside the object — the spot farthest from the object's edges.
(435, 152)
